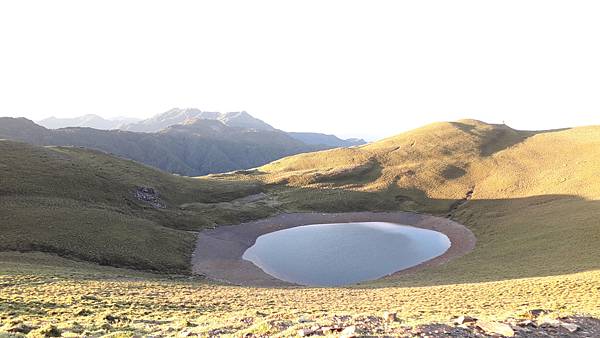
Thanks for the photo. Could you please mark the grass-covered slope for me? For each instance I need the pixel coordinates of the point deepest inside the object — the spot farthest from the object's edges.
(40, 292)
(82, 203)
(414, 170)
(531, 198)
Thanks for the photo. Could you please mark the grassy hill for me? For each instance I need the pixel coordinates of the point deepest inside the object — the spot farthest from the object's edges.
(531, 198)
(82, 203)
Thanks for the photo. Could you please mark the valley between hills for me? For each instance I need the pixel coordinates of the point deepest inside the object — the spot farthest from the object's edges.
(98, 245)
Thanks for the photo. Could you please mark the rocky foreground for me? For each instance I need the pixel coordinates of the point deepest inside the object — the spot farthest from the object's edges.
(534, 323)
(83, 300)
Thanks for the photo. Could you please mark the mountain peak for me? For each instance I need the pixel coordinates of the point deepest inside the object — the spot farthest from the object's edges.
(198, 126)
(244, 120)
(182, 115)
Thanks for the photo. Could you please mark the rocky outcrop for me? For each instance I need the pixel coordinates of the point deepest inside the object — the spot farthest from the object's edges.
(150, 196)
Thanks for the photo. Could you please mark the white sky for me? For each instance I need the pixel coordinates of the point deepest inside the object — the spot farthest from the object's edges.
(369, 68)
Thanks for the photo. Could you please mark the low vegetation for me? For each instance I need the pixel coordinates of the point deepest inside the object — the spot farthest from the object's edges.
(40, 291)
(81, 203)
(531, 199)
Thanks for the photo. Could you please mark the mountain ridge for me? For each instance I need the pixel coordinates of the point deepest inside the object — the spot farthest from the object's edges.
(517, 191)
(88, 120)
(179, 116)
(176, 116)
(326, 139)
(191, 149)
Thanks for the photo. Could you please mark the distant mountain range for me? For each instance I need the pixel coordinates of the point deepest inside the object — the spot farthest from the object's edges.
(197, 147)
(90, 121)
(177, 116)
(326, 140)
(181, 116)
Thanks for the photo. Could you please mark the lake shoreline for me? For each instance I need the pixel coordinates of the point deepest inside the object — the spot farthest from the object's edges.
(218, 252)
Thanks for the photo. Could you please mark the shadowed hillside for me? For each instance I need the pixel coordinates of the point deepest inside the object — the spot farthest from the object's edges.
(93, 206)
(195, 148)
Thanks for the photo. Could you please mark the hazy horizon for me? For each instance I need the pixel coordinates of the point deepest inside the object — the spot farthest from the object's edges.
(365, 136)
(353, 69)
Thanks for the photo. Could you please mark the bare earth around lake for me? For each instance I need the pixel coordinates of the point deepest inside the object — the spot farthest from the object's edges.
(218, 252)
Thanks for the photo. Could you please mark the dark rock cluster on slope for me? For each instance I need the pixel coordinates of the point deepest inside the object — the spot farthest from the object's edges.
(150, 196)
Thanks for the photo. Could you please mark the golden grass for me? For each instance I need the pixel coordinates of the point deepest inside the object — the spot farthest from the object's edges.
(531, 198)
(78, 299)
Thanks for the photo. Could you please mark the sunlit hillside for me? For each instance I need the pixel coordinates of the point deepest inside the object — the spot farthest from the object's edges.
(532, 199)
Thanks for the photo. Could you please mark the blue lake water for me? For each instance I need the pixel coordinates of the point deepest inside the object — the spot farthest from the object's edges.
(343, 253)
